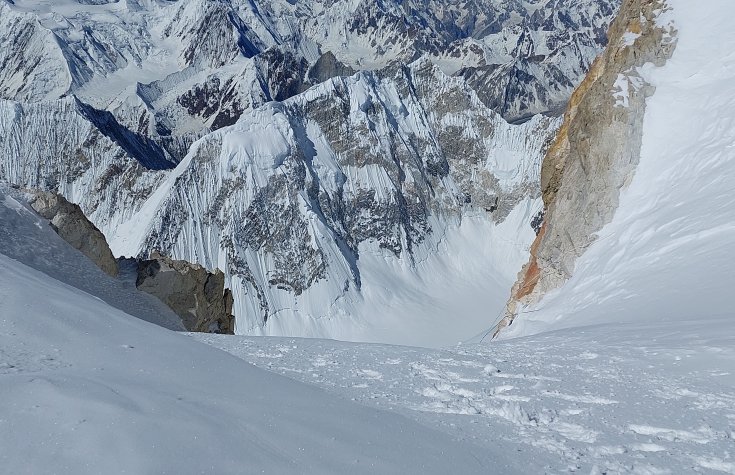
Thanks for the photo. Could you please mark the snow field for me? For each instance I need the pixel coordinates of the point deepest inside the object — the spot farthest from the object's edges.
(595, 400)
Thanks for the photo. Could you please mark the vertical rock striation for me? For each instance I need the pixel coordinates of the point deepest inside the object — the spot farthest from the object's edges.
(289, 143)
(595, 153)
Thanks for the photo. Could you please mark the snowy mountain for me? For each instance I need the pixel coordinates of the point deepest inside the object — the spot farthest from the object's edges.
(383, 195)
(293, 199)
(99, 51)
(312, 163)
(88, 388)
(621, 357)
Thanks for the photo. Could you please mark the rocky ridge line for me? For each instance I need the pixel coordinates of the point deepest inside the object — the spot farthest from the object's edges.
(595, 153)
(197, 296)
(387, 160)
(69, 222)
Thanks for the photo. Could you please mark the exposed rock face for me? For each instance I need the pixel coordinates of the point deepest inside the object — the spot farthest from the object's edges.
(327, 67)
(199, 297)
(596, 151)
(69, 222)
(196, 295)
(159, 120)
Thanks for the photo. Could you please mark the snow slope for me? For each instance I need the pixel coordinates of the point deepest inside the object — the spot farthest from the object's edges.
(87, 388)
(638, 399)
(28, 238)
(667, 254)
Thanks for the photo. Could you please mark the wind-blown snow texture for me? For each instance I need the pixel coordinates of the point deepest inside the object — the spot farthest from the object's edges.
(666, 255)
(87, 388)
(640, 398)
(311, 203)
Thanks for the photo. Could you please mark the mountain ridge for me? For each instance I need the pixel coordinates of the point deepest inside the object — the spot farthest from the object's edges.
(393, 158)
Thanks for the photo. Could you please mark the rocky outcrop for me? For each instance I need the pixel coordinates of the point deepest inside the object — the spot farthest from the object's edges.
(327, 67)
(596, 151)
(198, 296)
(69, 222)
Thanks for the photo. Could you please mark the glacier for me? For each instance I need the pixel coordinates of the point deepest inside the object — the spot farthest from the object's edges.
(289, 200)
(391, 201)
